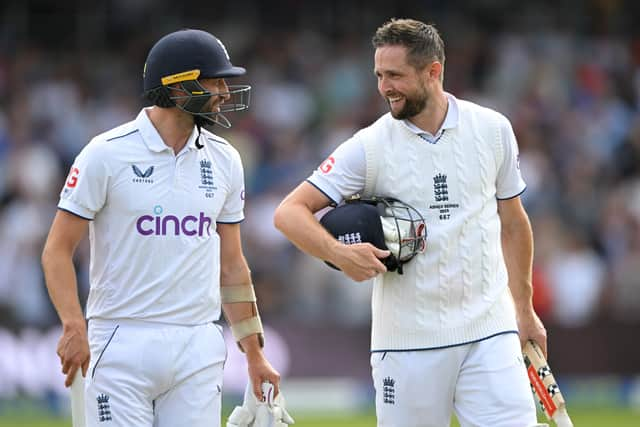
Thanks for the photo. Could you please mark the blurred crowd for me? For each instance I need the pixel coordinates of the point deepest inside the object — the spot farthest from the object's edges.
(572, 95)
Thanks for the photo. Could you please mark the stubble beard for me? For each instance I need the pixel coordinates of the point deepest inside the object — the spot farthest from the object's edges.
(412, 105)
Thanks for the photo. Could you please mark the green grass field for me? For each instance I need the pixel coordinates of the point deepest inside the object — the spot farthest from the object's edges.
(582, 417)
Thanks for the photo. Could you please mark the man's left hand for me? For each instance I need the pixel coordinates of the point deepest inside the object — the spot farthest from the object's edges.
(260, 370)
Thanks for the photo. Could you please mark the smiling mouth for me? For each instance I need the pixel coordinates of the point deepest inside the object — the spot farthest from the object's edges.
(216, 106)
(394, 100)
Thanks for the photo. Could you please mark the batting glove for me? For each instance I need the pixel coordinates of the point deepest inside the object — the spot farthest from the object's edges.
(270, 412)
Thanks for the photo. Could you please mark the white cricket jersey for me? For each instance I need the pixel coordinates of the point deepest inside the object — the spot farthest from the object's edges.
(343, 173)
(155, 252)
(455, 292)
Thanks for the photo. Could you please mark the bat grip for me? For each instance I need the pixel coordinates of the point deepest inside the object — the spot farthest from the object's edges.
(561, 417)
(77, 400)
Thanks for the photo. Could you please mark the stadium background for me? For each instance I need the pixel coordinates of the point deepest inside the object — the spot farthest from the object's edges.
(566, 73)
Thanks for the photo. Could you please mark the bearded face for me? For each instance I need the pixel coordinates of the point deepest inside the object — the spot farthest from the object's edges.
(403, 86)
(407, 105)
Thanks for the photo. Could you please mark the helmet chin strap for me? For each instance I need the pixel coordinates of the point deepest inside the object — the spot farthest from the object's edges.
(201, 121)
(199, 145)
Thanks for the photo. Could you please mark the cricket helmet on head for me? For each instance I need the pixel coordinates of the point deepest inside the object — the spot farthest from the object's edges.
(385, 222)
(176, 63)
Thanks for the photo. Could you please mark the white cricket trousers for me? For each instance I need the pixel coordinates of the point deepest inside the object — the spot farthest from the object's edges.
(485, 383)
(148, 374)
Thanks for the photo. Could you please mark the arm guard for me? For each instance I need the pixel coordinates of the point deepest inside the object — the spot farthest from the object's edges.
(249, 326)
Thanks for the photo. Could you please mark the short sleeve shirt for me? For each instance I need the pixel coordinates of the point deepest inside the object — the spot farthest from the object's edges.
(155, 252)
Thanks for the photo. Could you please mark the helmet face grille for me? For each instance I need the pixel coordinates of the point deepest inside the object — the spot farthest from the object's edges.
(404, 229)
(191, 97)
(384, 222)
(194, 99)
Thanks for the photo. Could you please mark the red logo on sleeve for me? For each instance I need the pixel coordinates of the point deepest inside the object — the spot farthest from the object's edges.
(72, 179)
(327, 165)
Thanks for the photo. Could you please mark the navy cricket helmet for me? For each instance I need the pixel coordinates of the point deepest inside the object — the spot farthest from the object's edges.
(175, 64)
(385, 222)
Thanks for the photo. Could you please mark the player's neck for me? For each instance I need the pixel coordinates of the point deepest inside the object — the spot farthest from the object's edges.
(174, 128)
(432, 117)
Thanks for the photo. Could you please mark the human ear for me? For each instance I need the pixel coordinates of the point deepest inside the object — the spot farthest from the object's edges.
(435, 70)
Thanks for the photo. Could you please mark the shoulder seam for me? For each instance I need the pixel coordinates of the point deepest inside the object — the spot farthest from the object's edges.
(122, 136)
(219, 141)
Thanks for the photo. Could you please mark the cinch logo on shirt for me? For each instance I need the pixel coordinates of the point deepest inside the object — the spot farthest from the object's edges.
(161, 225)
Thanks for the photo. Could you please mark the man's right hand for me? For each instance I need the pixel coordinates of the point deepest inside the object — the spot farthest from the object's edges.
(73, 350)
(360, 261)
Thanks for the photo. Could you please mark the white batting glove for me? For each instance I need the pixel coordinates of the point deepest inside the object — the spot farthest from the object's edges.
(243, 416)
(268, 413)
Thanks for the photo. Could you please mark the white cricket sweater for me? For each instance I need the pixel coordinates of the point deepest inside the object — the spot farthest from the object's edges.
(456, 291)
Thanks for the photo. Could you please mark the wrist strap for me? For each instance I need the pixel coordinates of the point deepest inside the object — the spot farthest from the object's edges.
(248, 327)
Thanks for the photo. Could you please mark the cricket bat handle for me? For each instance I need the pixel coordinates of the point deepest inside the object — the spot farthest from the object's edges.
(544, 385)
(77, 400)
(561, 418)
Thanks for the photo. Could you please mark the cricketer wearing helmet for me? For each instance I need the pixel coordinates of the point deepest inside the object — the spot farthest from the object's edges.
(162, 199)
(444, 333)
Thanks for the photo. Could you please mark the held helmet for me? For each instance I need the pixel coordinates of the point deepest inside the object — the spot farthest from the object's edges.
(175, 64)
(385, 222)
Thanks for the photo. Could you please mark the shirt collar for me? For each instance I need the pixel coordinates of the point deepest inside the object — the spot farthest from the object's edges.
(450, 120)
(193, 138)
(152, 138)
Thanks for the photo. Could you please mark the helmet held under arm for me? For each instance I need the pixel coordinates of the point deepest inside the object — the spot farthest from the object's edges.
(385, 222)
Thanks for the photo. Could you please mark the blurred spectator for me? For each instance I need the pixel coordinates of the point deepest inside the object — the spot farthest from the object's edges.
(34, 175)
(576, 278)
(625, 286)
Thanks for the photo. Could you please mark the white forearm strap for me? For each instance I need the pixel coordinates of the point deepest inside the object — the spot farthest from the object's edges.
(233, 294)
(248, 327)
